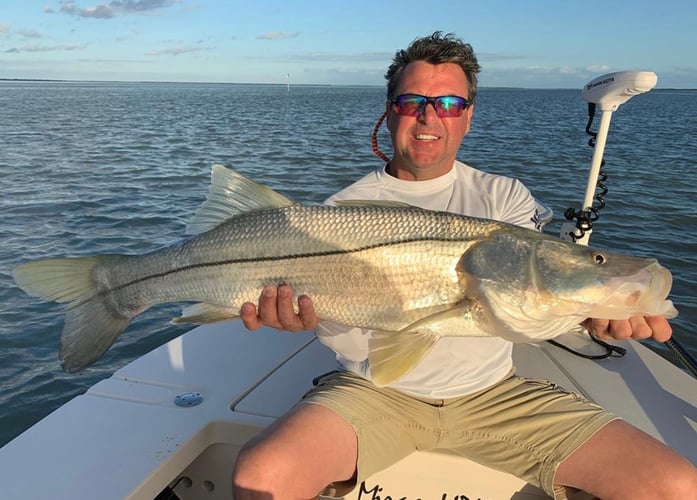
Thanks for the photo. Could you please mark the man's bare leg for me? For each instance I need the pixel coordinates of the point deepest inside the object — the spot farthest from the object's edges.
(622, 462)
(297, 456)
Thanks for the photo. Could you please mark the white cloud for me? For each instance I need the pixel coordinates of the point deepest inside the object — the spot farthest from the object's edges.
(178, 50)
(43, 48)
(112, 9)
(277, 35)
(29, 33)
(598, 68)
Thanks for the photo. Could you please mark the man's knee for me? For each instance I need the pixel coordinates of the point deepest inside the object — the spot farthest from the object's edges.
(252, 475)
(296, 456)
(260, 474)
(680, 482)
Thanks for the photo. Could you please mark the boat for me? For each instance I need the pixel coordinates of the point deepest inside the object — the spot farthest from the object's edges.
(169, 424)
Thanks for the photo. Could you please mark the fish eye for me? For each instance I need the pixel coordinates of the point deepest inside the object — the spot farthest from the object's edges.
(598, 258)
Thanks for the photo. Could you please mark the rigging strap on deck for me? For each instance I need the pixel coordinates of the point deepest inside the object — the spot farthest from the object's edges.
(611, 351)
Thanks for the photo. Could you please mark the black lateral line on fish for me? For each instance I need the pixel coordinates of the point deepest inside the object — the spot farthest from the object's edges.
(269, 258)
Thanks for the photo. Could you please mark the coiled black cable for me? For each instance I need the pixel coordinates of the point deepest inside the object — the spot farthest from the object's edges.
(685, 358)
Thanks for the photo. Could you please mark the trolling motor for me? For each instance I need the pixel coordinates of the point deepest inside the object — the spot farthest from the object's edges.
(607, 92)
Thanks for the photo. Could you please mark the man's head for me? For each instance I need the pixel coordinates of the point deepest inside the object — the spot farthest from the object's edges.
(426, 140)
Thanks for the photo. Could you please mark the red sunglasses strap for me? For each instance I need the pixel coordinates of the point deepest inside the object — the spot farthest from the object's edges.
(376, 149)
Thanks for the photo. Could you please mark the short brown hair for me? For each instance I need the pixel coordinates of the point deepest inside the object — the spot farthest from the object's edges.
(435, 49)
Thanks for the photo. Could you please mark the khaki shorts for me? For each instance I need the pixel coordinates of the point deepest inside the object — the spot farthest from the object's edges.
(525, 427)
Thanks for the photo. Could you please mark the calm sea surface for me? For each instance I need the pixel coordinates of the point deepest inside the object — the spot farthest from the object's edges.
(91, 168)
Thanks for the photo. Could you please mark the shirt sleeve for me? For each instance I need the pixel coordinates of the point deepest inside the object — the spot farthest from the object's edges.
(520, 207)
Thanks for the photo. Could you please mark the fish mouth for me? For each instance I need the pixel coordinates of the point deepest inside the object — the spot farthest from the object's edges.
(642, 293)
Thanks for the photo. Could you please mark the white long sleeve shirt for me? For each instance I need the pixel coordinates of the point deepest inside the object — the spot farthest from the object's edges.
(457, 365)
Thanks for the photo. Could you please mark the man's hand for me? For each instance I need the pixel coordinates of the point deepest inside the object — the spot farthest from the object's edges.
(276, 310)
(637, 327)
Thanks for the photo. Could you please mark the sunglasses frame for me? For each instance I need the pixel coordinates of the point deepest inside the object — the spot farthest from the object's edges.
(436, 102)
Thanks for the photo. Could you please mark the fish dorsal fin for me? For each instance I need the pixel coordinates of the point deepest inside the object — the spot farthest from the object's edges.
(231, 194)
(373, 203)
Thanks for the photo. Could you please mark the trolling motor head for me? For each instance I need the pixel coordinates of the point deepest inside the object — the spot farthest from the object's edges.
(611, 90)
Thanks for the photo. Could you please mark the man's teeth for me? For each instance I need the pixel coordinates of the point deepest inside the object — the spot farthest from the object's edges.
(426, 137)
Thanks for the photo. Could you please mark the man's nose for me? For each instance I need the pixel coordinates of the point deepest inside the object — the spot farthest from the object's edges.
(427, 112)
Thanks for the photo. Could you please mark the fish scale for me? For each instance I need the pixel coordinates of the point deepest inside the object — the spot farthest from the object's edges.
(365, 258)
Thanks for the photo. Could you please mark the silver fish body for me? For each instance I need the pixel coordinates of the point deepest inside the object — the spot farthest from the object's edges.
(412, 275)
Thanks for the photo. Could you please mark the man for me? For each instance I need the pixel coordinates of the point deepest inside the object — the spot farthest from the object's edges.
(331, 440)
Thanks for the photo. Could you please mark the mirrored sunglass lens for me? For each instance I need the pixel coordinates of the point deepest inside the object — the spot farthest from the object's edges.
(410, 105)
(449, 106)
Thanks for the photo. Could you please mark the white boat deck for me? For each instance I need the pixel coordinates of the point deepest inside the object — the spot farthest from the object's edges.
(126, 437)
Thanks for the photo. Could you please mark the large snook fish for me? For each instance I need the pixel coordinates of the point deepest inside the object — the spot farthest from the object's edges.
(412, 275)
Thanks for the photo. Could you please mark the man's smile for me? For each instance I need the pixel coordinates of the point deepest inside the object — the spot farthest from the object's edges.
(426, 137)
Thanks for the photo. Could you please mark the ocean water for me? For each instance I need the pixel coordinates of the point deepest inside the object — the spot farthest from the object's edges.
(91, 168)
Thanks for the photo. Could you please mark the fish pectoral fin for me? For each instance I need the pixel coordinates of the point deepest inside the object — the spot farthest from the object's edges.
(446, 312)
(199, 314)
(393, 354)
(232, 194)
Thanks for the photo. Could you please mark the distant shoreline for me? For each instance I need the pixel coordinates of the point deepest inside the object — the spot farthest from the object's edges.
(30, 80)
(154, 82)
(52, 80)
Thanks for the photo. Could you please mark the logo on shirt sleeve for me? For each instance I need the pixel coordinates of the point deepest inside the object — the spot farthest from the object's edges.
(536, 220)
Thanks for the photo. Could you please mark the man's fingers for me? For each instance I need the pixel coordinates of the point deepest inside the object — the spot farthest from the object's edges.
(267, 310)
(598, 327)
(248, 314)
(308, 318)
(276, 309)
(636, 327)
(661, 329)
(287, 318)
(640, 328)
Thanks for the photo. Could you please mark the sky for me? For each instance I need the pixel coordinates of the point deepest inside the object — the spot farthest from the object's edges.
(519, 43)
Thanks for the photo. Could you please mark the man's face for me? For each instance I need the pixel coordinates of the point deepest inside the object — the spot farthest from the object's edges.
(425, 146)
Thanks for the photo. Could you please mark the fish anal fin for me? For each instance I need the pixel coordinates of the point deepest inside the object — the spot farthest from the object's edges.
(199, 314)
(393, 354)
(232, 194)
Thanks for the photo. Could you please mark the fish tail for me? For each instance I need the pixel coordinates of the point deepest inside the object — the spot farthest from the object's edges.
(92, 324)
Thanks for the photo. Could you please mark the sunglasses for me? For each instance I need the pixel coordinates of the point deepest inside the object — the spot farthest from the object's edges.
(446, 106)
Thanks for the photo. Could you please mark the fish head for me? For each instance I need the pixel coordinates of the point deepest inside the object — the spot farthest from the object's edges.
(524, 280)
(600, 283)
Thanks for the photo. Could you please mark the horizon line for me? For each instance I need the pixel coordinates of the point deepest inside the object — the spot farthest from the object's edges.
(506, 87)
